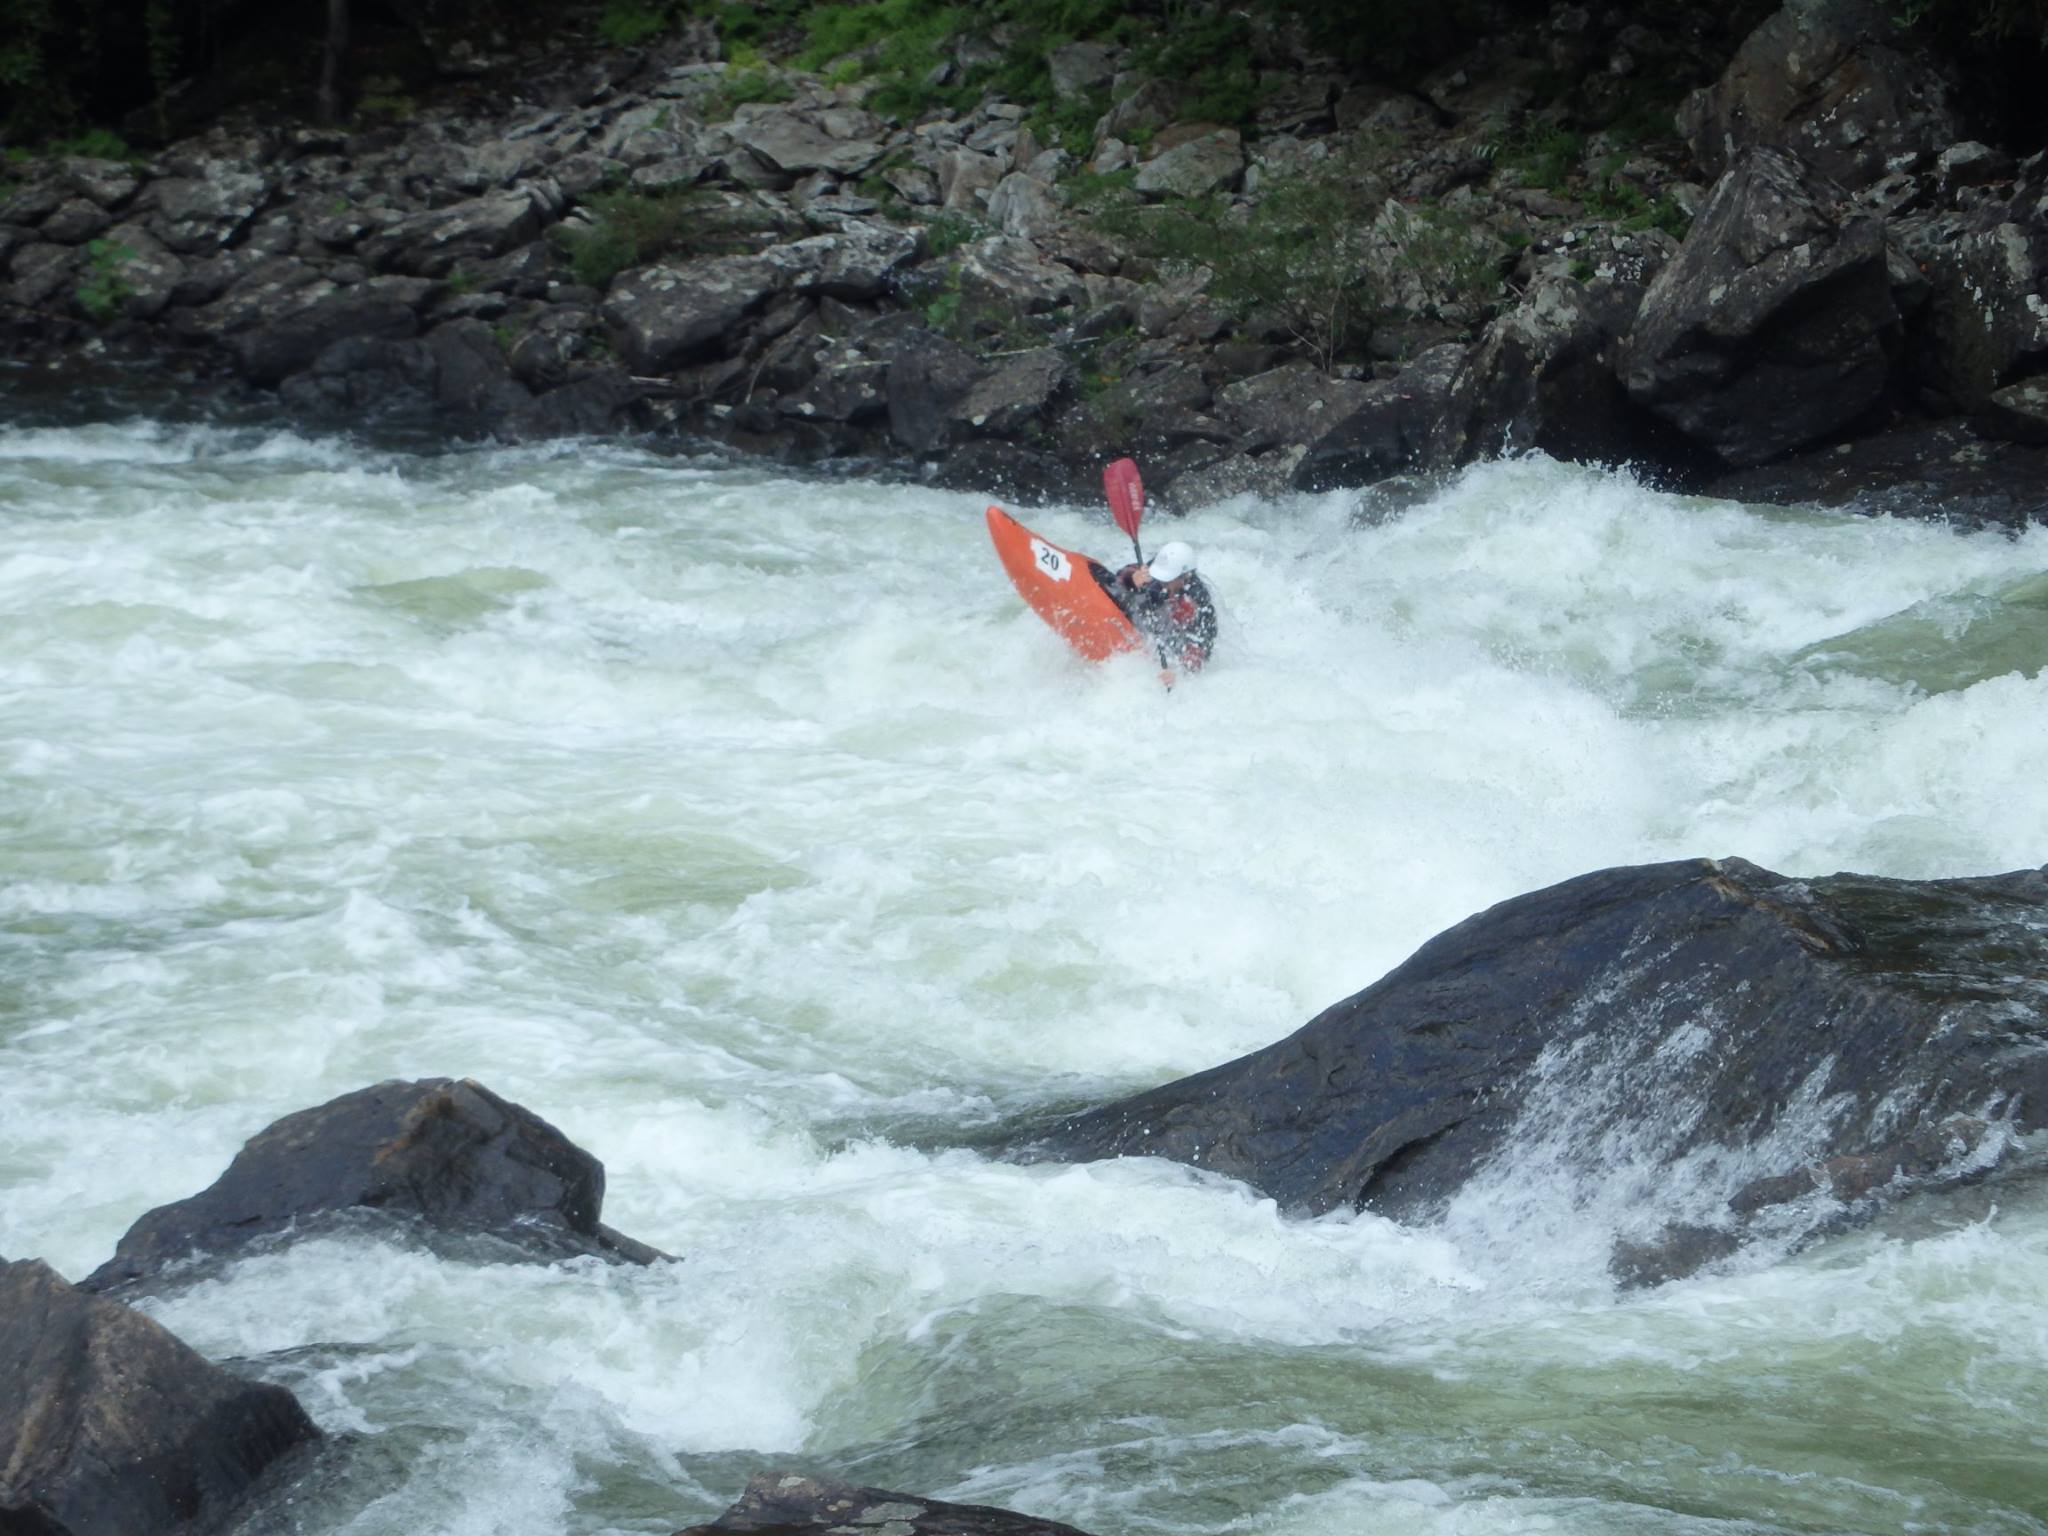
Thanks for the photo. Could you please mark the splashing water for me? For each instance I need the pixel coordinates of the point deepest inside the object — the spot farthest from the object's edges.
(749, 829)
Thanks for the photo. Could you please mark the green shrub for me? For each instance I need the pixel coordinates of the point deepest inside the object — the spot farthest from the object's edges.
(1207, 53)
(629, 229)
(741, 87)
(97, 144)
(1996, 21)
(945, 233)
(106, 287)
(628, 23)
(1318, 257)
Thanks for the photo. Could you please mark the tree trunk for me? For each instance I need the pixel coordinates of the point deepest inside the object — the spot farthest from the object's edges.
(327, 104)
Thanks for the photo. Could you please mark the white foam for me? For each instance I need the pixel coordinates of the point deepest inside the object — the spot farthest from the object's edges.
(743, 826)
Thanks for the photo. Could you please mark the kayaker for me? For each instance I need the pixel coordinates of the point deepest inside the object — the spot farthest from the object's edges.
(1169, 602)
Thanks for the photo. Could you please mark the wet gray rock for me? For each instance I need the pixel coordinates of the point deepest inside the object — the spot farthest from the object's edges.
(76, 221)
(1025, 206)
(362, 378)
(39, 272)
(28, 205)
(967, 180)
(273, 350)
(1015, 392)
(1774, 325)
(1689, 1011)
(145, 274)
(445, 1157)
(1543, 377)
(788, 1503)
(1296, 403)
(797, 143)
(1397, 427)
(197, 215)
(847, 385)
(667, 316)
(2019, 412)
(1954, 470)
(1012, 274)
(1835, 81)
(109, 1426)
(430, 244)
(599, 403)
(108, 183)
(928, 378)
(1212, 163)
(473, 383)
(1985, 319)
(858, 261)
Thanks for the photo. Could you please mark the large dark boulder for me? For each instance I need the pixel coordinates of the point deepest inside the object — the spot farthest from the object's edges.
(1834, 80)
(1985, 322)
(275, 349)
(928, 378)
(1941, 469)
(1846, 1035)
(1774, 325)
(1543, 377)
(109, 1426)
(451, 1157)
(788, 1503)
(1398, 425)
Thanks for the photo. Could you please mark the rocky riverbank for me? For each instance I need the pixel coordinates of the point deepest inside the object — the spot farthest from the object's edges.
(1814, 284)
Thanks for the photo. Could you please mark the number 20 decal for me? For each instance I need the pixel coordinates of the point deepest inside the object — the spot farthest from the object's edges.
(1050, 560)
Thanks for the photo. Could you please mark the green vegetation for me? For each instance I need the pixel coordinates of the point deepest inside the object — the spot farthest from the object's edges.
(1995, 21)
(1208, 53)
(106, 287)
(740, 87)
(384, 99)
(628, 23)
(1547, 157)
(1322, 257)
(629, 229)
(945, 233)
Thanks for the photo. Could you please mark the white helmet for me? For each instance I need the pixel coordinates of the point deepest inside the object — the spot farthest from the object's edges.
(1172, 560)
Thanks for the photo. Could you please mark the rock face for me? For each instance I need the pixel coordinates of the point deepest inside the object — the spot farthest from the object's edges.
(1774, 324)
(649, 253)
(451, 1156)
(788, 1503)
(1830, 80)
(109, 1426)
(1843, 1036)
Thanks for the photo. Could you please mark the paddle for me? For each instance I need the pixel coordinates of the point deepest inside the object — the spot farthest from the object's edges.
(1126, 493)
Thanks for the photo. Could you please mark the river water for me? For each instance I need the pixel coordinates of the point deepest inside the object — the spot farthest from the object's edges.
(748, 828)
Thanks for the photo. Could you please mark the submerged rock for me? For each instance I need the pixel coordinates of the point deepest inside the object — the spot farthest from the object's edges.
(787, 1502)
(451, 1156)
(109, 1426)
(1852, 1035)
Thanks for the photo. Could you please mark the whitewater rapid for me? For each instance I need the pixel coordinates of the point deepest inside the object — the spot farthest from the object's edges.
(747, 827)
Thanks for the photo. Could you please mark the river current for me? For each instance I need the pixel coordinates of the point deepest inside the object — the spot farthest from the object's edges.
(749, 829)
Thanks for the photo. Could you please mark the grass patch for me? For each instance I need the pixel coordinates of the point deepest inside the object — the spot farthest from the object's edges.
(628, 23)
(629, 229)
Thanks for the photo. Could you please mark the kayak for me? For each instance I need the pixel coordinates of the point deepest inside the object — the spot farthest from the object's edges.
(1059, 586)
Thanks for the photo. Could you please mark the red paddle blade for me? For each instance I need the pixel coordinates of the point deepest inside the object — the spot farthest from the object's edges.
(1126, 493)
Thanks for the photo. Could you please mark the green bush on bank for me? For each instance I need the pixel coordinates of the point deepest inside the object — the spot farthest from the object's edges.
(1322, 256)
(628, 229)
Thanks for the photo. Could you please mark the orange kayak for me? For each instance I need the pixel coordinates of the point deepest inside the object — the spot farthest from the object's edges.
(1059, 587)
